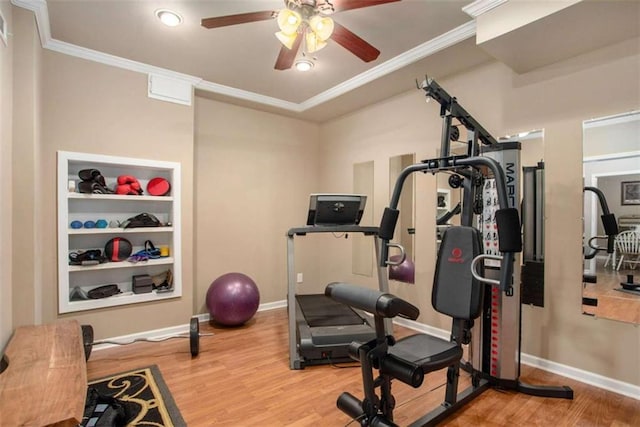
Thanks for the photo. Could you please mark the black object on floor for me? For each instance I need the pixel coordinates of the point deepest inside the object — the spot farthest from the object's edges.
(630, 285)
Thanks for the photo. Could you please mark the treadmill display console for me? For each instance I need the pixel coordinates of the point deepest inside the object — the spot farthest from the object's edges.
(336, 209)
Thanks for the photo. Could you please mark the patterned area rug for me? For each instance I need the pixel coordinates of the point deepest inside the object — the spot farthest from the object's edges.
(146, 395)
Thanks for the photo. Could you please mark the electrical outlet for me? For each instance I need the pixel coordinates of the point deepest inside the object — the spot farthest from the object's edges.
(299, 278)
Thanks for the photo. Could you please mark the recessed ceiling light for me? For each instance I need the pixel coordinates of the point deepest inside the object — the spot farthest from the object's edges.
(168, 17)
(304, 64)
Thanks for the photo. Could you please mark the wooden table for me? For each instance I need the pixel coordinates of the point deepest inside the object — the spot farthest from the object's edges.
(46, 380)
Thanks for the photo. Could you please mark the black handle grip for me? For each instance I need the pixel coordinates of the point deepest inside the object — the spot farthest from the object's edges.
(350, 405)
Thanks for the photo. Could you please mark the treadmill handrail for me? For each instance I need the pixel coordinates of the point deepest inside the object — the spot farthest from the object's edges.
(301, 231)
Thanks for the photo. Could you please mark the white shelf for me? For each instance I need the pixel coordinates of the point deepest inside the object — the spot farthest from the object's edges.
(119, 299)
(110, 207)
(122, 264)
(119, 197)
(119, 230)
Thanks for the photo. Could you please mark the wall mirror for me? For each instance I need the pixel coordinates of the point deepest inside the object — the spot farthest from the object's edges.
(611, 173)
(362, 248)
(405, 227)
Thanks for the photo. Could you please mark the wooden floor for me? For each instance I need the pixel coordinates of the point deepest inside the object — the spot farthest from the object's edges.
(242, 378)
(612, 303)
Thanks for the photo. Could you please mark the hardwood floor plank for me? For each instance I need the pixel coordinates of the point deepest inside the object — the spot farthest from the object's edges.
(242, 378)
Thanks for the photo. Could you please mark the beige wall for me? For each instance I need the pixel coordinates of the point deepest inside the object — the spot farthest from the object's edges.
(254, 172)
(6, 136)
(557, 99)
(92, 108)
(247, 176)
(27, 268)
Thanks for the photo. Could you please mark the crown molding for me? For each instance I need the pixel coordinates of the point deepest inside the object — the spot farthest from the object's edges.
(115, 61)
(39, 8)
(479, 7)
(419, 52)
(248, 96)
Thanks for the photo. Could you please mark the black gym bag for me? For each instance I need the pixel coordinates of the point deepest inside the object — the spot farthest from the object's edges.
(105, 411)
(142, 220)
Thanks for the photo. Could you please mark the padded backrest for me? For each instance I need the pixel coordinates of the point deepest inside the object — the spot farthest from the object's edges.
(455, 291)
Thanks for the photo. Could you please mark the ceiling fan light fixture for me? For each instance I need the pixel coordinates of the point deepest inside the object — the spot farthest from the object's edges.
(169, 17)
(321, 26)
(313, 42)
(304, 64)
(287, 39)
(289, 21)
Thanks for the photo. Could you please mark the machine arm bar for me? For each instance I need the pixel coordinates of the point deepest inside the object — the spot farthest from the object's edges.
(449, 103)
(601, 198)
(608, 219)
(608, 222)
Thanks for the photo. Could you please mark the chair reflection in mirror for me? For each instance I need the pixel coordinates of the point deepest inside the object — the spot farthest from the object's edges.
(628, 249)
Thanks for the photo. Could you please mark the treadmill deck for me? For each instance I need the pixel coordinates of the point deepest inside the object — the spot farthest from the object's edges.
(326, 328)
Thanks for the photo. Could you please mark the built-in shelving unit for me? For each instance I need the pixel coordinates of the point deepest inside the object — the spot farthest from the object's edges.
(113, 208)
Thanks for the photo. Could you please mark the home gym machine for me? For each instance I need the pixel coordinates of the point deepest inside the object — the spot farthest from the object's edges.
(321, 329)
(475, 284)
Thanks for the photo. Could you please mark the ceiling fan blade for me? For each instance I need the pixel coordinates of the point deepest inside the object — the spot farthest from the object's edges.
(353, 43)
(287, 56)
(241, 18)
(340, 5)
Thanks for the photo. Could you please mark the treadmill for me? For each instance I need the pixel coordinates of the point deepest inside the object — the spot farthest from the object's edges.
(321, 329)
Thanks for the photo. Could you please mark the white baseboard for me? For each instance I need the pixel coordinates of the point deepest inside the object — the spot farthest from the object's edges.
(597, 380)
(155, 334)
(272, 305)
(616, 386)
(174, 330)
(583, 376)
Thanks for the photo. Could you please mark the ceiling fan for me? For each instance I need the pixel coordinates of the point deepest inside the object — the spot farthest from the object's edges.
(307, 21)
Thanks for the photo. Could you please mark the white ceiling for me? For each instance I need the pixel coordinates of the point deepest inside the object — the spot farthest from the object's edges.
(235, 63)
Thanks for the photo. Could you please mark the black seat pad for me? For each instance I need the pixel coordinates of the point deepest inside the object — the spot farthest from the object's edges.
(427, 352)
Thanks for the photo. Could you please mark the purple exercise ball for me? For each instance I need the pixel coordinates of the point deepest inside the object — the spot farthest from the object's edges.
(405, 272)
(232, 299)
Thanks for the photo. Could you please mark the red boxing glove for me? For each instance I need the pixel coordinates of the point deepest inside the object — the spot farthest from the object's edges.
(126, 179)
(124, 189)
(128, 184)
(135, 186)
